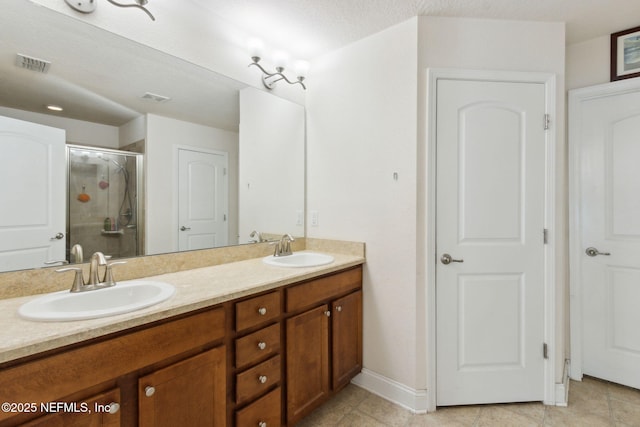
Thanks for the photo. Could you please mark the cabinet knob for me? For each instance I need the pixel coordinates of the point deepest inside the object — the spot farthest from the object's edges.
(262, 379)
(114, 407)
(262, 424)
(327, 313)
(262, 345)
(149, 391)
(338, 308)
(262, 311)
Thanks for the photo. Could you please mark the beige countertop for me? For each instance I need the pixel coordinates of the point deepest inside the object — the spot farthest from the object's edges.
(195, 289)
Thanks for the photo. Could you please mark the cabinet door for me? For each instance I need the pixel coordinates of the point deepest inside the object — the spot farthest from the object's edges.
(188, 393)
(346, 324)
(307, 362)
(99, 411)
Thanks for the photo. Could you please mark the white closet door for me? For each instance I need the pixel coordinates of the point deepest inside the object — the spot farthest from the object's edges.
(32, 194)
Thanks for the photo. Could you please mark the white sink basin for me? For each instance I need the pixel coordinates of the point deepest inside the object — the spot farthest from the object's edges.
(299, 259)
(124, 297)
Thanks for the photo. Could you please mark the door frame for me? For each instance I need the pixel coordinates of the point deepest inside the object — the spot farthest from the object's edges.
(549, 81)
(176, 184)
(576, 97)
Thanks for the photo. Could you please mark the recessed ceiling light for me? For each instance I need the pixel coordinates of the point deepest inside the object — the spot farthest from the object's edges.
(54, 107)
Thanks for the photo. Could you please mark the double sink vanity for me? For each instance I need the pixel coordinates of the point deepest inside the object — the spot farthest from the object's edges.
(257, 342)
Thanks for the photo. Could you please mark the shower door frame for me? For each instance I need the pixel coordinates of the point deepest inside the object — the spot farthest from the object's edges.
(140, 197)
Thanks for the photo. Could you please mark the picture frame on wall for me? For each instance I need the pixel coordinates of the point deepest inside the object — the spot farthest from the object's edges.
(625, 54)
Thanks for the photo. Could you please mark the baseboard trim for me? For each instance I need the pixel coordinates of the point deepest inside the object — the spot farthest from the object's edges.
(393, 391)
(562, 389)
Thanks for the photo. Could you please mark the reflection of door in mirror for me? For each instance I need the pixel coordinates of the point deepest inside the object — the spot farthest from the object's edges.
(202, 199)
(103, 201)
(32, 195)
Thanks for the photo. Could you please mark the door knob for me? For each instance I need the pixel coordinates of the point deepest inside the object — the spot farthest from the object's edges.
(447, 259)
(594, 252)
(183, 228)
(58, 236)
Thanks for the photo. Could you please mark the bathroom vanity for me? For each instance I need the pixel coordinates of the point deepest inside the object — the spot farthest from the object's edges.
(242, 344)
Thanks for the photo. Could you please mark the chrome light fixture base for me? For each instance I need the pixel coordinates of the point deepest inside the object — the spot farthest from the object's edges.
(270, 79)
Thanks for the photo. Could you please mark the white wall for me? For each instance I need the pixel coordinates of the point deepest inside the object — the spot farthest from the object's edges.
(515, 46)
(163, 134)
(361, 129)
(271, 171)
(367, 120)
(588, 63)
(78, 131)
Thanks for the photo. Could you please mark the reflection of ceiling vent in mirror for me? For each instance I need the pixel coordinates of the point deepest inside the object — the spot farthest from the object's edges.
(31, 63)
(156, 98)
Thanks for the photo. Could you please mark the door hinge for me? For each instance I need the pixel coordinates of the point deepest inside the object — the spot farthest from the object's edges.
(545, 351)
(224, 217)
(545, 236)
(546, 121)
(224, 171)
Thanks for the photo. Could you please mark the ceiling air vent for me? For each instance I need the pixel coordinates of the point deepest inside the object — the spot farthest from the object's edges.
(156, 98)
(31, 63)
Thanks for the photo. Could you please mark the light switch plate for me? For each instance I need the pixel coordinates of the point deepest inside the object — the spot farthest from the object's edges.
(314, 218)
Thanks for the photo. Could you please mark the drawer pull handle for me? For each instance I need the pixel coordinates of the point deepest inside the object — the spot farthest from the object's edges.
(262, 424)
(149, 391)
(114, 407)
(262, 311)
(262, 379)
(327, 313)
(338, 308)
(262, 345)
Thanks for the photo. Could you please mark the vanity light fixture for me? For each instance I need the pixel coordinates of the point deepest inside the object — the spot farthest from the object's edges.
(280, 60)
(88, 6)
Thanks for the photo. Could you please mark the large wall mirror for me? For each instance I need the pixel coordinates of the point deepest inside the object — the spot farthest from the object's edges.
(156, 147)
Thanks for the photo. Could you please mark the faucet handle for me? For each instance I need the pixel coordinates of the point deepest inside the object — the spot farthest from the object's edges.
(78, 280)
(108, 274)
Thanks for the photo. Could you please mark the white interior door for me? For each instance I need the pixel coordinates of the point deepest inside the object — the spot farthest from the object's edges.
(490, 142)
(606, 137)
(32, 194)
(202, 200)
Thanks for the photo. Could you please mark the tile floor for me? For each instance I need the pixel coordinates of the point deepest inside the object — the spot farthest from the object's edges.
(591, 403)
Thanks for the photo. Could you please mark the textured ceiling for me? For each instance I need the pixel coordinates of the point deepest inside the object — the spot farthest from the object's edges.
(308, 28)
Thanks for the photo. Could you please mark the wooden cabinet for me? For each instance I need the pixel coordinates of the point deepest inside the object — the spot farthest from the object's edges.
(102, 410)
(265, 360)
(163, 351)
(190, 393)
(307, 361)
(264, 412)
(258, 361)
(346, 322)
(324, 343)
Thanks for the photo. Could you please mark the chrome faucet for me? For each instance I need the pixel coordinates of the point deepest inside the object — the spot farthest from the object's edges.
(76, 252)
(257, 234)
(283, 247)
(97, 259)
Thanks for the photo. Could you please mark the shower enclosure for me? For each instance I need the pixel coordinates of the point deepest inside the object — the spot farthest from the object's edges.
(104, 202)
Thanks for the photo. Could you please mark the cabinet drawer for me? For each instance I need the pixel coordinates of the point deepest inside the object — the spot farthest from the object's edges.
(322, 289)
(257, 346)
(257, 311)
(254, 381)
(265, 411)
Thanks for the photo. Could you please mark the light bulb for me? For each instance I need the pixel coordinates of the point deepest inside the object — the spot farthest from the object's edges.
(255, 47)
(280, 59)
(301, 68)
